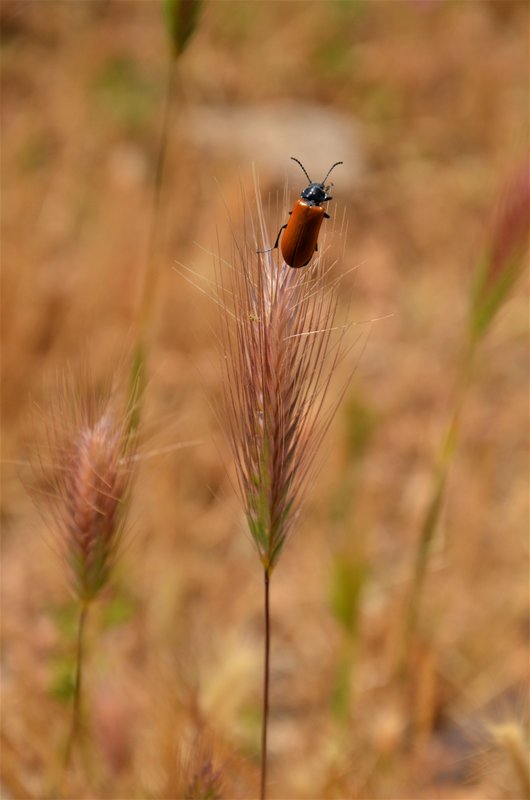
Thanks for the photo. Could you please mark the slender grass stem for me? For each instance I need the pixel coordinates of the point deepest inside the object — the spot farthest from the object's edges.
(78, 685)
(148, 287)
(511, 739)
(432, 515)
(265, 715)
(521, 766)
(149, 282)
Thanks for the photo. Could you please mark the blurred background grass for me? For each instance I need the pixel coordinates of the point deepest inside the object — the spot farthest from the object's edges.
(427, 104)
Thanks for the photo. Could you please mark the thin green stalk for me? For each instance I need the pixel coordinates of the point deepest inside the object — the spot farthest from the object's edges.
(432, 515)
(149, 281)
(265, 714)
(139, 360)
(77, 704)
(341, 693)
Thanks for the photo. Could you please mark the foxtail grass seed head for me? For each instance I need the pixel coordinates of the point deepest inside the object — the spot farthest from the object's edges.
(280, 349)
(90, 453)
(503, 260)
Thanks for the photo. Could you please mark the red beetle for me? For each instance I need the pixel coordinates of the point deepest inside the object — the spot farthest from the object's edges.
(299, 241)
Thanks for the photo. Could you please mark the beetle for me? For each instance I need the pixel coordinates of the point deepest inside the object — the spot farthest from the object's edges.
(300, 239)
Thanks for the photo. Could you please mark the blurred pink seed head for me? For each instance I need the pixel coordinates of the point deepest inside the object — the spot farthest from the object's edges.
(88, 466)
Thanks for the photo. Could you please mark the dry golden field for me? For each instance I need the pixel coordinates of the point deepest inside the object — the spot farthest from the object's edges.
(426, 102)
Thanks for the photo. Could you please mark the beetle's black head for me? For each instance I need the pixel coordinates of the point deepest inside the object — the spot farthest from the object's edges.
(315, 194)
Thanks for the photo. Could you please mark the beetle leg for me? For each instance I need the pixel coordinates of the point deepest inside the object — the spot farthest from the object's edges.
(326, 216)
(275, 245)
(278, 237)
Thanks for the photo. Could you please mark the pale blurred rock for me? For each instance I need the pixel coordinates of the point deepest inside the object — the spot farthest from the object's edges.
(269, 134)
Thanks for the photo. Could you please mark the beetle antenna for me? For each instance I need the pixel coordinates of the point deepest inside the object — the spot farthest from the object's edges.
(303, 168)
(336, 164)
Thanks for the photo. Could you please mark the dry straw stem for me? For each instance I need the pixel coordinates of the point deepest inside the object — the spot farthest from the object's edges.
(280, 348)
(510, 737)
(88, 465)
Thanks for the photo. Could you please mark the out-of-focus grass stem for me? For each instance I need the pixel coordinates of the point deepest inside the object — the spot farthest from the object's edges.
(518, 754)
(77, 706)
(510, 738)
(149, 281)
(432, 515)
(181, 19)
(496, 272)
